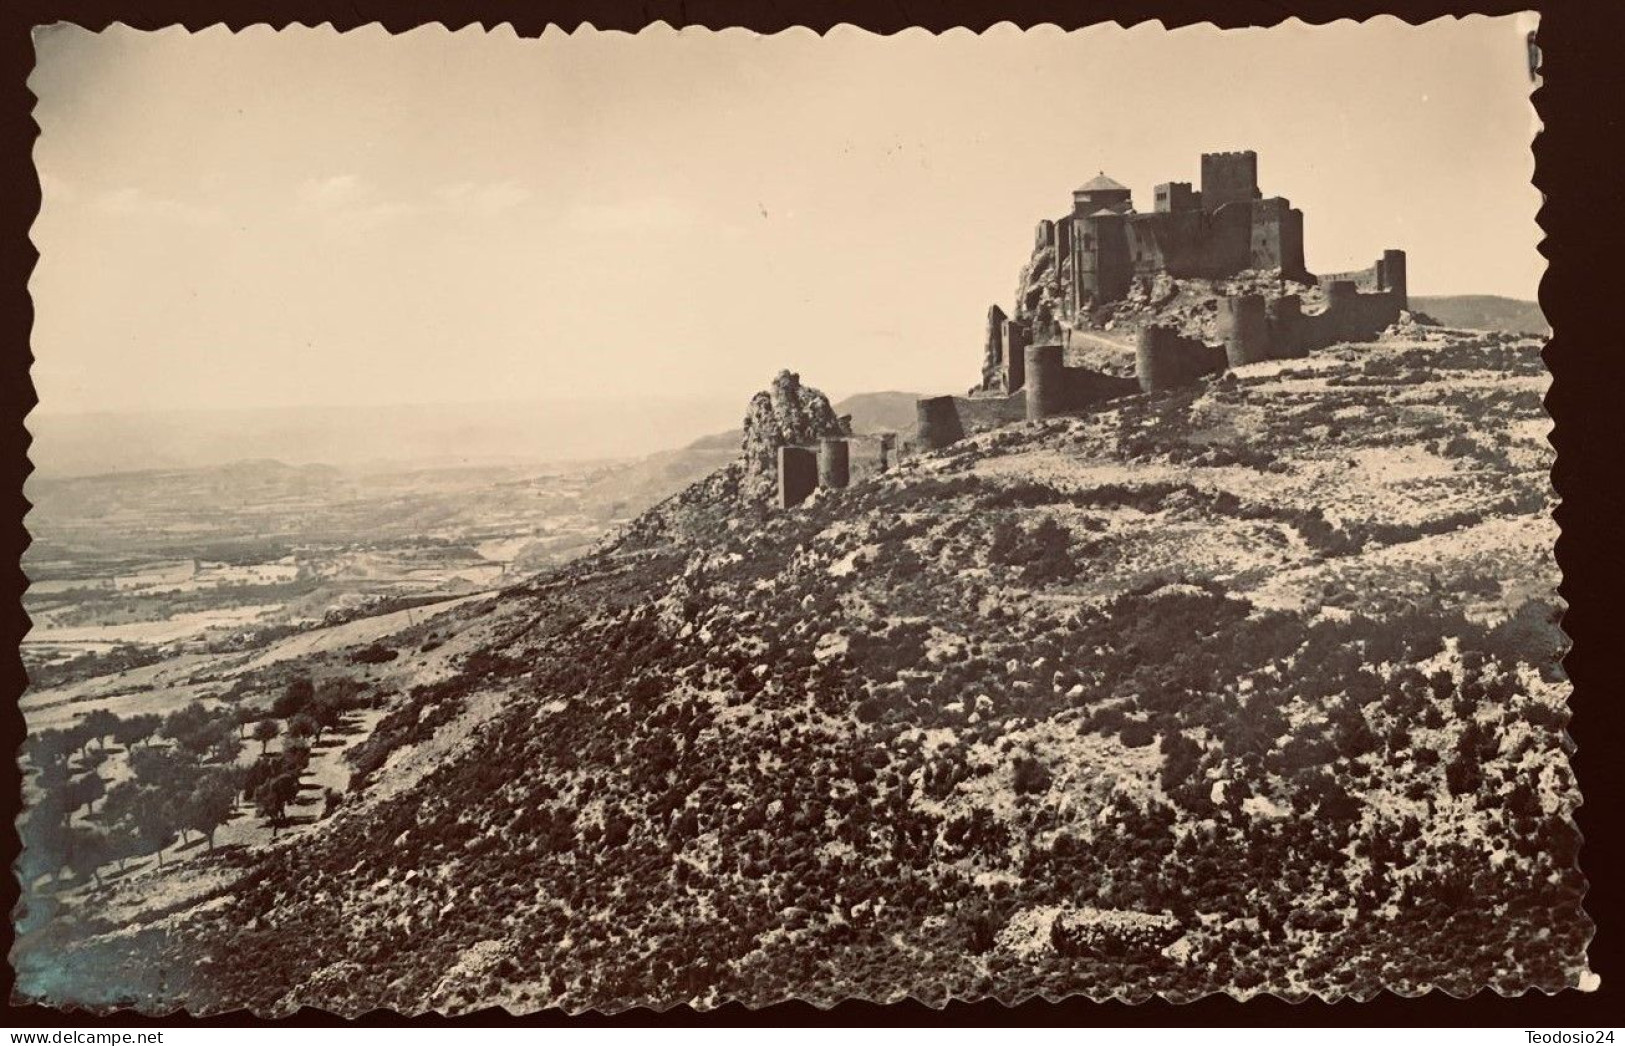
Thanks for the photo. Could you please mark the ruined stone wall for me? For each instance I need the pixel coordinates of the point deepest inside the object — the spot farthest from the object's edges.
(787, 413)
(1391, 271)
(834, 463)
(797, 475)
(945, 420)
(1172, 241)
(1044, 393)
(1264, 234)
(1256, 330)
(1227, 247)
(1286, 329)
(1082, 387)
(989, 412)
(1385, 276)
(1165, 359)
(1366, 280)
(1191, 244)
(1349, 316)
(1063, 255)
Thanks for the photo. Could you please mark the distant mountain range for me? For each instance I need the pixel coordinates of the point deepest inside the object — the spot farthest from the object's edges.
(73, 489)
(416, 436)
(409, 435)
(1487, 312)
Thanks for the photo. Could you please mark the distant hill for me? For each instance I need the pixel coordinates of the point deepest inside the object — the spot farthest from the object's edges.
(1487, 312)
(415, 435)
(880, 411)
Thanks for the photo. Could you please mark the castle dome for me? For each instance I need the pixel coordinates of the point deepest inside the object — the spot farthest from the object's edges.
(1101, 183)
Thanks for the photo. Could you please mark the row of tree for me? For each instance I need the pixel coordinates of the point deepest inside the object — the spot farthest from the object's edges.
(189, 784)
(183, 777)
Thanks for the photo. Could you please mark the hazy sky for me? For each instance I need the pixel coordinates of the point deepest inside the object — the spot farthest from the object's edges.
(302, 217)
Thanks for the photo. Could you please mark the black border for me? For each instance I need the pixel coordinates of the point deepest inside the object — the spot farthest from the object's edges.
(1584, 79)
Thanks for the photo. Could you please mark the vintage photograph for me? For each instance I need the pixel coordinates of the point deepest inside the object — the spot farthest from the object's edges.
(607, 520)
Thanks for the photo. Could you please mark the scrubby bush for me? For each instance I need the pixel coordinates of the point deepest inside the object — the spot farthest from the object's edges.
(1043, 552)
(374, 654)
(1030, 776)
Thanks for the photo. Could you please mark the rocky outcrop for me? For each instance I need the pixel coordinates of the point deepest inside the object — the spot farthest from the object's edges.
(993, 348)
(1038, 288)
(787, 413)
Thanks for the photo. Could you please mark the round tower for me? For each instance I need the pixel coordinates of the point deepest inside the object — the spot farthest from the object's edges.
(1246, 329)
(937, 422)
(1045, 393)
(1286, 327)
(1158, 359)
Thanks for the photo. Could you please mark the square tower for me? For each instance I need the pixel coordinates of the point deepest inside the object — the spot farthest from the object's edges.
(1229, 178)
(1176, 196)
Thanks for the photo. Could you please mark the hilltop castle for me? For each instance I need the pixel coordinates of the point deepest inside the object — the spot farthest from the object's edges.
(1210, 278)
(1103, 255)
(1223, 228)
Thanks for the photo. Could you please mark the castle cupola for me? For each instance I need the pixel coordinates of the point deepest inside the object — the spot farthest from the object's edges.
(1101, 192)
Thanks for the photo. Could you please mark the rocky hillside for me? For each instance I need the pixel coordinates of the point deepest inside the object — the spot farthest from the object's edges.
(1248, 687)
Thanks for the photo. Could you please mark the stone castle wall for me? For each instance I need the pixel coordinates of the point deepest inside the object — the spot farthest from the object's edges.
(1386, 276)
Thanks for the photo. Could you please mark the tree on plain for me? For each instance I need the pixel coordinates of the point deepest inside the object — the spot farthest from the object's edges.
(273, 797)
(48, 747)
(226, 748)
(85, 790)
(265, 732)
(326, 712)
(45, 836)
(296, 698)
(302, 726)
(183, 723)
(99, 724)
(87, 852)
(147, 813)
(137, 729)
(120, 842)
(210, 803)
